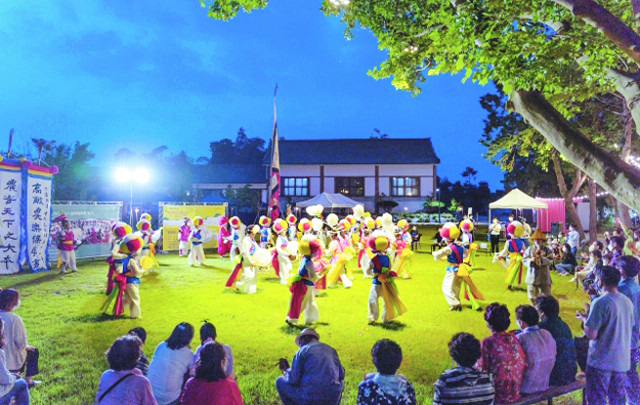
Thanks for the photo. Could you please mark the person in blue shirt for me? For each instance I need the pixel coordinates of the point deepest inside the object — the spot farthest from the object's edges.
(383, 284)
(196, 254)
(316, 376)
(629, 268)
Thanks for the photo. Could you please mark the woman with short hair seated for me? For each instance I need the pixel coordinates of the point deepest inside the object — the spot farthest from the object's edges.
(502, 354)
(211, 386)
(386, 387)
(123, 383)
(464, 384)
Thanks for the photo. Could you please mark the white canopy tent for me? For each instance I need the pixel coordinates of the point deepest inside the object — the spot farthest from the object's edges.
(329, 201)
(516, 199)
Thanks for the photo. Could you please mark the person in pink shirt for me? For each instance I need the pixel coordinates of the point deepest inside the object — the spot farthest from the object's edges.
(183, 235)
(224, 236)
(67, 248)
(211, 386)
(123, 383)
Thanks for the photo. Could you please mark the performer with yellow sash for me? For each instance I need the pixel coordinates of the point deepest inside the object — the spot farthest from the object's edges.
(383, 284)
(196, 254)
(132, 246)
(514, 247)
(458, 272)
(402, 252)
(302, 297)
(338, 260)
(466, 226)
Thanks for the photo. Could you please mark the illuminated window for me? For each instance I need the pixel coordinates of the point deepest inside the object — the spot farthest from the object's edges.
(352, 186)
(295, 186)
(405, 186)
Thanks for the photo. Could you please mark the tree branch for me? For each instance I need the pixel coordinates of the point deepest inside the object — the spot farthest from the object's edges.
(612, 27)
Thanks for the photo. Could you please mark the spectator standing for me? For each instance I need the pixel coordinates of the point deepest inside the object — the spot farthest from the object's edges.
(502, 354)
(143, 361)
(565, 368)
(211, 385)
(385, 386)
(315, 376)
(123, 383)
(20, 355)
(208, 334)
(608, 326)
(573, 240)
(170, 365)
(494, 233)
(539, 349)
(629, 268)
(464, 384)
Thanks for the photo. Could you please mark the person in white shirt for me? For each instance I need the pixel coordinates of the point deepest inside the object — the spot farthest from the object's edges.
(170, 365)
(573, 239)
(494, 231)
(20, 356)
(11, 385)
(249, 281)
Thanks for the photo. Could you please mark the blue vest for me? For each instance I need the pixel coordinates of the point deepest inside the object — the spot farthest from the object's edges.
(381, 264)
(125, 269)
(518, 242)
(196, 238)
(452, 257)
(303, 271)
(264, 235)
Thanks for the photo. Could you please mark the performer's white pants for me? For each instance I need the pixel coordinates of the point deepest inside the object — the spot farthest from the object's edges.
(285, 268)
(196, 255)
(249, 281)
(451, 288)
(68, 258)
(375, 293)
(131, 298)
(346, 281)
(364, 264)
(309, 308)
(183, 248)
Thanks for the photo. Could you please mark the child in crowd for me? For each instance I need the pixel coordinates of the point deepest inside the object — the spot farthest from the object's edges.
(143, 361)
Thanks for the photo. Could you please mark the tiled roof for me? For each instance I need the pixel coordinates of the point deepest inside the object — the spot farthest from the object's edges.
(358, 151)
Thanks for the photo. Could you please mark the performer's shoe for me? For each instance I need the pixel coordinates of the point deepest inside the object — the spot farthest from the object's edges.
(63, 271)
(74, 270)
(455, 308)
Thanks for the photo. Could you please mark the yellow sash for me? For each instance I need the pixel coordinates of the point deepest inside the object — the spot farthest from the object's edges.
(392, 303)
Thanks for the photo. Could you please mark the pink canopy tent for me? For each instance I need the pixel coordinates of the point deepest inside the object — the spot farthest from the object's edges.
(554, 213)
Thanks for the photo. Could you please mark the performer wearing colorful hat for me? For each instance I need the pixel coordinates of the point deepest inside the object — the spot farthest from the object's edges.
(402, 253)
(144, 231)
(249, 281)
(119, 231)
(338, 259)
(280, 257)
(302, 297)
(132, 246)
(236, 237)
(291, 220)
(183, 236)
(514, 247)
(67, 247)
(383, 284)
(224, 240)
(466, 226)
(265, 232)
(196, 254)
(457, 272)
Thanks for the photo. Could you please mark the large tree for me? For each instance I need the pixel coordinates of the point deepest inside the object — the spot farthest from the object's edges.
(547, 54)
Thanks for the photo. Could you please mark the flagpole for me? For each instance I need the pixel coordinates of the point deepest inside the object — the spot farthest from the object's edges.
(269, 195)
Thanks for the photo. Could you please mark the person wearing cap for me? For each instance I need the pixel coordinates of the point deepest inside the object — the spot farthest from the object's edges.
(183, 236)
(302, 297)
(281, 261)
(383, 285)
(196, 254)
(536, 258)
(132, 246)
(249, 281)
(316, 375)
(224, 240)
(67, 248)
(514, 247)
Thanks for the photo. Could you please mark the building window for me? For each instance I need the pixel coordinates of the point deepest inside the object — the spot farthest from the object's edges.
(405, 186)
(295, 186)
(352, 186)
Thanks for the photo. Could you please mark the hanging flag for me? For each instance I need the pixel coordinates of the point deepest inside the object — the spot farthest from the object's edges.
(274, 175)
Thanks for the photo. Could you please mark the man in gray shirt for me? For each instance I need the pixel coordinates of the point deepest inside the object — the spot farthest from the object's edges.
(608, 326)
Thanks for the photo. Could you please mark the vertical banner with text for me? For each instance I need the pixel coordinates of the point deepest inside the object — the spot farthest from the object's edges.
(38, 189)
(10, 217)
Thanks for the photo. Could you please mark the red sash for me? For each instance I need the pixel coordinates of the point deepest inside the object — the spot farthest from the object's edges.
(275, 262)
(298, 290)
(234, 275)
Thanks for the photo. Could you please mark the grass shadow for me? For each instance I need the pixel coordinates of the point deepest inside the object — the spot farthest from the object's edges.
(288, 329)
(393, 325)
(92, 318)
(37, 281)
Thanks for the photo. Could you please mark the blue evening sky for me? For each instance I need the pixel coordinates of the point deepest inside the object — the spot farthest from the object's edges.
(141, 74)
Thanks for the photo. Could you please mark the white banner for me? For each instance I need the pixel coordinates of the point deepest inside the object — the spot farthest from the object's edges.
(10, 195)
(38, 220)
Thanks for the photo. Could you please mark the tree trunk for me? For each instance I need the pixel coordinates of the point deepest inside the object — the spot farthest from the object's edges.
(614, 175)
(593, 211)
(568, 195)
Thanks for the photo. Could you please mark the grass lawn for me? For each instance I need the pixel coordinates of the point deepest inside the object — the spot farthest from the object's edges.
(63, 320)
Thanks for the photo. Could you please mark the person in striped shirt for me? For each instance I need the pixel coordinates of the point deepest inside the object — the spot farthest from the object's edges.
(464, 384)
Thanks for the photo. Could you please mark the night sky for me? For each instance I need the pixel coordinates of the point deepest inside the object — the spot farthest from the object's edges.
(144, 74)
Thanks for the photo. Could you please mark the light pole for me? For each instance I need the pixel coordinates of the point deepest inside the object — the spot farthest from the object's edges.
(125, 175)
(438, 197)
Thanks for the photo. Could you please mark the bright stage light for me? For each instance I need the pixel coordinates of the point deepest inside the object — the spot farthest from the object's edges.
(141, 175)
(122, 175)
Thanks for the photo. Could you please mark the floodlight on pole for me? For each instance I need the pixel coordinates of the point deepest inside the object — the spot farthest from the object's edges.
(125, 175)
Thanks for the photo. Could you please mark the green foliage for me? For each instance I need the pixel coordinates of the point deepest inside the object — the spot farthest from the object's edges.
(454, 205)
(243, 150)
(63, 320)
(245, 198)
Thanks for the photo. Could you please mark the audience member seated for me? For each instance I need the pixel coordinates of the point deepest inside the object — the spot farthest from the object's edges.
(608, 324)
(315, 376)
(143, 361)
(502, 354)
(569, 263)
(595, 260)
(170, 365)
(629, 267)
(464, 384)
(415, 238)
(20, 356)
(12, 387)
(386, 387)
(539, 349)
(123, 383)
(211, 386)
(565, 368)
(208, 334)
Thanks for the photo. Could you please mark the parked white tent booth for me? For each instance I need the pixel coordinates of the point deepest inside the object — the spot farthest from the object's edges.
(329, 201)
(516, 199)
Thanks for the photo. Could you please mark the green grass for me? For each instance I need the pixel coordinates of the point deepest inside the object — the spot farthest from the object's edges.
(63, 320)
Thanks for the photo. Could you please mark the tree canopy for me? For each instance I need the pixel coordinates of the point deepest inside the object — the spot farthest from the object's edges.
(549, 56)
